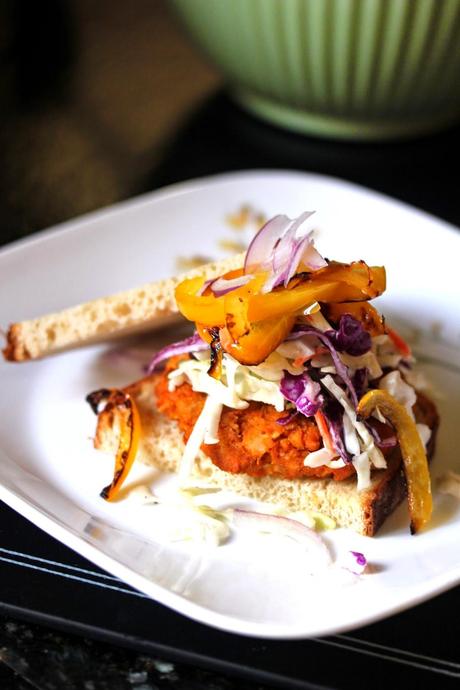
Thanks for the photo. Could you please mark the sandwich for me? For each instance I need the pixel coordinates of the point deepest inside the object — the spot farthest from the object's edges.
(292, 390)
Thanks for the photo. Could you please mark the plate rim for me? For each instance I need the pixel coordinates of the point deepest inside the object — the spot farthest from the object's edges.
(188, 186)
(224, 622)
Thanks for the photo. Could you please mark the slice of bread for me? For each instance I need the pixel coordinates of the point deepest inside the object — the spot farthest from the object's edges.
(135, 311)
(162, 445)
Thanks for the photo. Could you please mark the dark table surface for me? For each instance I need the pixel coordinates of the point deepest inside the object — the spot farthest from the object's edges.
(63, 623)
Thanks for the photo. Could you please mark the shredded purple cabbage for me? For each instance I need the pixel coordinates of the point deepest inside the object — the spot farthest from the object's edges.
(359, 557)
(340, 367)
(303, 392)
(336, 435)
(333, 413)
(361, 381)
(287, 418)
(358, 562)
(350, 337)
(192, 344)
(389, 442)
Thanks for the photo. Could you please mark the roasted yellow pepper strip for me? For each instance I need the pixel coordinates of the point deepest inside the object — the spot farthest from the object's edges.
(335, 283)
(412, 451)
(129, 425)
(369, 278)
(366, 314)
(252, 324)
(262, 338)
(207, 310)
(279, 302)
(250, 342)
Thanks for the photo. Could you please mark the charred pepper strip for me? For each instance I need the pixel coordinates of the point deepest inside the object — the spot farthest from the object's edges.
(412, 451)
(215, 369)
(251, 342)
(364, 312)
(130, 426)
(334, 283)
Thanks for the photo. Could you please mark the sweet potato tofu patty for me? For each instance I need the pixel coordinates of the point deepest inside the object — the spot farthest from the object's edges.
(251, 441)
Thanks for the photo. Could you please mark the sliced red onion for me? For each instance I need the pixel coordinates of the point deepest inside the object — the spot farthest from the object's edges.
(303, 392)
(312, 258)
(220, 286)
(279, 247)
(276, 524)
(192, 344)
(340, 367)
(121, 356)
(297, 253)
(290, 251)
(204, 287)
(288, 243)
(260, 251)
(305, 252)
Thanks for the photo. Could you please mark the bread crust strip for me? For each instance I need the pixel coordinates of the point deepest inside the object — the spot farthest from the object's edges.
(134, 311)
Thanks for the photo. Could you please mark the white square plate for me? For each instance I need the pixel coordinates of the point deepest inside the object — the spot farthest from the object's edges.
(51, 475)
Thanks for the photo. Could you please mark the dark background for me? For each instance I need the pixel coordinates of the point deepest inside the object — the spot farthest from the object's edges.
(101, 101)
(91, 95)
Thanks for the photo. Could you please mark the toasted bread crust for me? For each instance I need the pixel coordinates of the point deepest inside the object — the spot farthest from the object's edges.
(365, 512)
(15, 349)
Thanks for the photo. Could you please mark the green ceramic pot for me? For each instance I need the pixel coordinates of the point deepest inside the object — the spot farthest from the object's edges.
(362, 69)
